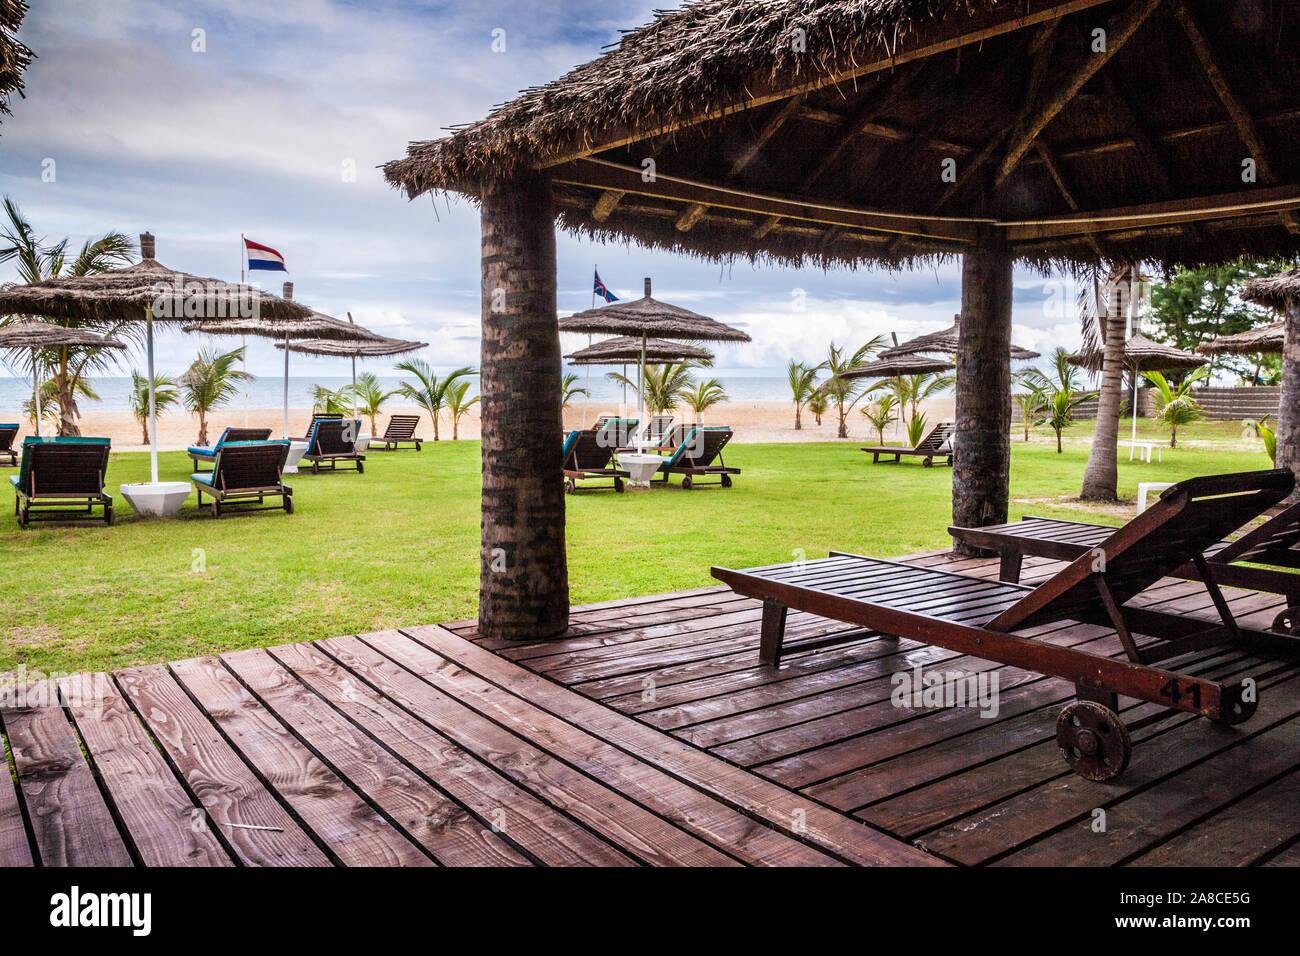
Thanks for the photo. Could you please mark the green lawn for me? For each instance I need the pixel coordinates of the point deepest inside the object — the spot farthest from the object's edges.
(399, 544)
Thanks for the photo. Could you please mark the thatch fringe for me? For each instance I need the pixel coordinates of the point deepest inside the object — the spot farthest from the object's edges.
(1263, 339)
(370, 349)
(626, 349)
(34, 334)
(1274, 291)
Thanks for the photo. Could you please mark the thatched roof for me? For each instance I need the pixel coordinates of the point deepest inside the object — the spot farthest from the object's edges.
(15, 56)
(1263, 339)
(304, 324)
(122, 295)
(649, 316)
(626, 349)
(1274, 291)
(375, 349)
(34, 334)
(1141, 354)
(945, 343)
(895, 365)
(815, 130)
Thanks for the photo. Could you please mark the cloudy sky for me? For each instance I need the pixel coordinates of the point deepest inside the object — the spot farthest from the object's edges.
(249, 126)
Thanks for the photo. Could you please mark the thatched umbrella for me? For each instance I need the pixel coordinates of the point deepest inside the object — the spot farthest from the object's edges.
(304, 325)
(647, 317)
(623, 349)
(945, 343)
(150, 292)
(1141, 354)
(36, 335)
(896, 366)
(354, 350)
(1266, 339)
(15, 57)
(1274, 291)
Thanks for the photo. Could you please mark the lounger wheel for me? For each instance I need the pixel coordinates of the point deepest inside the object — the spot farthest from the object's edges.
(1093, 740)
(1288, 622)
(570, 486)
(686, 482)
(726, 481)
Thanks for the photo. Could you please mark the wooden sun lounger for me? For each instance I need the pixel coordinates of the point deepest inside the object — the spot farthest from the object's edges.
(589, 454)
(937, 444)
(399, 431)
(976, 616)
(208, 453)
(329, 444)
(61, 479)
(319, 417)
(246, 472)
(8, 454)
(1265, 559)
(696, 452)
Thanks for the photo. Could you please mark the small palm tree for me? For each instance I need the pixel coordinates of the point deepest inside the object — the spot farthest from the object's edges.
(803, 381)
(882, 413)
(1262, 430)
(842, 392)
(664, 385)
(165, 395)
(210, 383)
(1175, 405)
(701, 396)
(49, 407)
(916, 429)
(1030, 400)
(569, 389)
(430, 392)
(817, 404)
(458, 405)
(329, 401)
(1058, 408)
(370, 397)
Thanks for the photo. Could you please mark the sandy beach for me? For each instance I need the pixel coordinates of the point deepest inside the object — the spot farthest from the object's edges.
(754, 422)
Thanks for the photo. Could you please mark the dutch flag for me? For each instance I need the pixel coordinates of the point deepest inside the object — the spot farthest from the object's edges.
(263, 257)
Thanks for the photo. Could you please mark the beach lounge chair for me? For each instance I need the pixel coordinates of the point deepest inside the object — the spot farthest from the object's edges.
(208, 453)
(8, 454)
(659, 427)
(319, 417)
(61, 479)
(246, 471)
(936, 445)
(1264, 559)
(400, 430)
(980, 617)
(333, 441)
(589, 455)
(694, 452)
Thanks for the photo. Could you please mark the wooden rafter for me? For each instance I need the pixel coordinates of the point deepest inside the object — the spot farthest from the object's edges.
(606, 203)
(1063, 186)
(695, 212)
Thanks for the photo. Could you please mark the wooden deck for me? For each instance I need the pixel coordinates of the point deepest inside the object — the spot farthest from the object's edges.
(648, 736)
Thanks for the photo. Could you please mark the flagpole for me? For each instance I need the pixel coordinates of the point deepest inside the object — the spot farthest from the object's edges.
(243, 338)
(586, 390)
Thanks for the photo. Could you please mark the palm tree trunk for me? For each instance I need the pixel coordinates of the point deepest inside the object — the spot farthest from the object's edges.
(798, 411)
(203, 426)
(981, 478)
(524, 580)
(1288, 419)
(1101, 477)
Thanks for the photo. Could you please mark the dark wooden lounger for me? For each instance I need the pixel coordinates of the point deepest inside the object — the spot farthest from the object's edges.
(934, 445)
(400, 430)
(208, 453)
(319, 417)
(589, 455)
(333, 441)
(697, 453)
(1265, 559)
(61, 479)
(246, 472)
(8, 454)
(980, 617)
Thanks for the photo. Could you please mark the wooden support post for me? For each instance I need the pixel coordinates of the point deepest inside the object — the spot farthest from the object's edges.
(524, 581)
(981, 465)
(1288, 416)
(772, 633)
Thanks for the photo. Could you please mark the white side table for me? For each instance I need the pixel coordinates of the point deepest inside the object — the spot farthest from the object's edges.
(641, 468)
(1148, 488)
(1145, 449)
(296, 450)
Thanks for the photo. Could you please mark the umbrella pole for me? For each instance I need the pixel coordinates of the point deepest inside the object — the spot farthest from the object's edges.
(286, 386)
(243, 353)
(586, 389)
(640, 405)
(36, 393)
(153, 405)
(354, 386)
(1132, 330)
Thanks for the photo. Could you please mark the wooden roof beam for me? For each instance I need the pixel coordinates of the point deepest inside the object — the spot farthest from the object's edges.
(1121, 30)
(606, 203)
(1054, 170)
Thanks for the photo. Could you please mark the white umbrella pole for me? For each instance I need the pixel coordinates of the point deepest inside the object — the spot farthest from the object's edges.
(153, 405)
(286, 386)
(36, 392)
(640, 405)
(243, 352)
(1132, 330)
(354, 386)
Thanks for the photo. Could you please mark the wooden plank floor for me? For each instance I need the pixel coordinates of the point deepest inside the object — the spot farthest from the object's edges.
(398, 749)
(649, 735)
(973, 790)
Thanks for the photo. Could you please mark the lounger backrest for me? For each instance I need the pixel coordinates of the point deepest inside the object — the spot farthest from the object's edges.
(56, 466)
(589, 450)
(1189, 518)
(700, 446)
(7, 435)
(401, 427)
(249, 464)
(327, 437)
(244, 434)
(658, 427)
(938, 435)
(1274, 542)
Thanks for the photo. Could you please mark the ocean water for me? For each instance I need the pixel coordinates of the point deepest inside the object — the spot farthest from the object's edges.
(267, 391)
